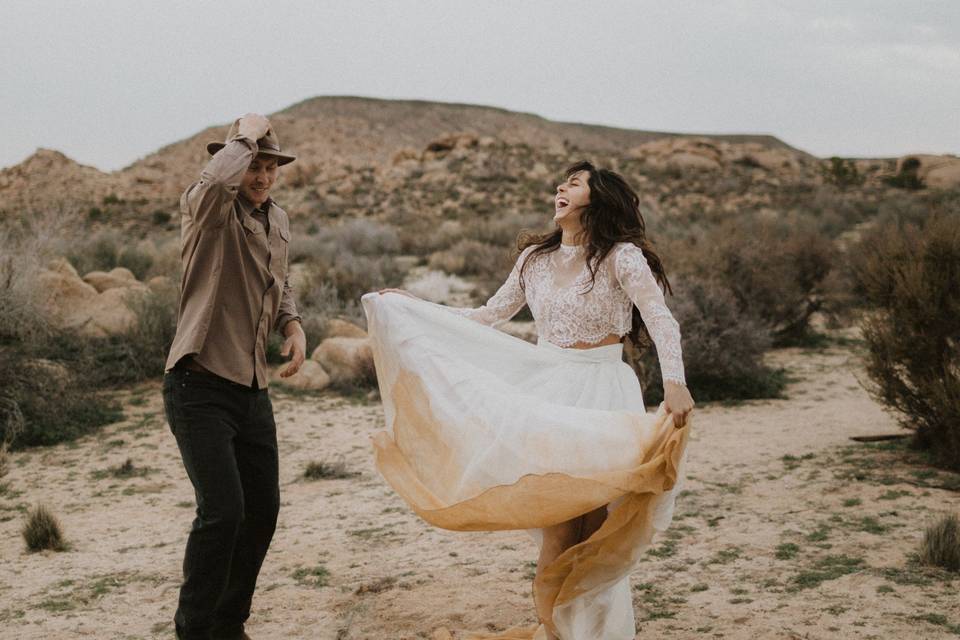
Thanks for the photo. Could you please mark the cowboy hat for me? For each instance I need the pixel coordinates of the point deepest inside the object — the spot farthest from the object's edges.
(268, 145)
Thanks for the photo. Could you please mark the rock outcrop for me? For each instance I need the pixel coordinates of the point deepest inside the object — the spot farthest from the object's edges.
(708, 154)
(76, 305)
(337, 328)
(118, 278)
(348, 360)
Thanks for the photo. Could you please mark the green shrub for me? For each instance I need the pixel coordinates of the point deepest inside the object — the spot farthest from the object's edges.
(907, 177)
(42, 531)
(841, 172)
(137, 261)
(941, 544)
(100, 253)
(723, 348)
(910, 277)
(161, 217)
(27, 387)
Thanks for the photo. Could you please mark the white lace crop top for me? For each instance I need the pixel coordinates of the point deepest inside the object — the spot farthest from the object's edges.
(568, 311)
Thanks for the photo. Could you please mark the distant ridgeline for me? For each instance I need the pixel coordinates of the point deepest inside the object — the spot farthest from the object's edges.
(365, 157)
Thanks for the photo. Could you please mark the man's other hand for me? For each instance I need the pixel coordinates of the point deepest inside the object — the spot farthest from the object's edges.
(294, 346)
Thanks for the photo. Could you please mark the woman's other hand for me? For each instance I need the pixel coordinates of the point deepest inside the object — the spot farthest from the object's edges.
(678, 402)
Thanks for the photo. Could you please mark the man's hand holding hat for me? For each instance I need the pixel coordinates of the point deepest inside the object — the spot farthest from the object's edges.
(253, 126)
(257, 128)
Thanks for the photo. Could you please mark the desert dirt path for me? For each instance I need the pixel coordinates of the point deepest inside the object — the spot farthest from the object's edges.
(786, 529)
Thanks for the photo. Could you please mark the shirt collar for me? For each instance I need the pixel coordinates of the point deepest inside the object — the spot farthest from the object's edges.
(248, 207)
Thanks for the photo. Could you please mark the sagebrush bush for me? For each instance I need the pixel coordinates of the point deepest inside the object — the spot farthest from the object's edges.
(23, 252)
(420, 235)
(44, 402)
(910, 277)
(148, 341)
(915, 208)
(354, 275)
(42, 531)
(107, 250)
(941, 544)
(167, 260)
(502, 230)
(775, 272)
(723, 348)
(319, 301)
(366, 237)
(480, 260)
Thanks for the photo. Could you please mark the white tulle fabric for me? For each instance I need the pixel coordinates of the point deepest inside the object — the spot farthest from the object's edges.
(486, 431)
(568, 311)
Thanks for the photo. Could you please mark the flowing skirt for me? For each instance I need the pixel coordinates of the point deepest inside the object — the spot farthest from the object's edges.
(488, 432)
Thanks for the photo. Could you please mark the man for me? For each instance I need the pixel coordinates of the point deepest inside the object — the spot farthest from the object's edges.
(234, 242)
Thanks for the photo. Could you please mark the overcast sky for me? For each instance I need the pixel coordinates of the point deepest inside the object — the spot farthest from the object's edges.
(107, 82)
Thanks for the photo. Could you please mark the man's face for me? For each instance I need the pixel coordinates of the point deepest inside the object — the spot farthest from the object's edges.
(259, 178)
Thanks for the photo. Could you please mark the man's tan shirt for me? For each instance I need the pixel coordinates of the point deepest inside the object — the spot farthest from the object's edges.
(234, 288)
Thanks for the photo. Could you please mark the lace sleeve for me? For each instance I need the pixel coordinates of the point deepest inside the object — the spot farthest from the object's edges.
(503, 305)
(634, 275)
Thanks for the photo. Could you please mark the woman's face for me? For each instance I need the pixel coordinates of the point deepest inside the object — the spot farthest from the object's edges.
(572, 196)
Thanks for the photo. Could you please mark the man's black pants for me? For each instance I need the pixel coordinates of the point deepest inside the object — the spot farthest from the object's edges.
(228, 442)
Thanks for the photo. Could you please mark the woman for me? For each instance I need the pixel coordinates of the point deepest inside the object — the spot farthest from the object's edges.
(489, 432)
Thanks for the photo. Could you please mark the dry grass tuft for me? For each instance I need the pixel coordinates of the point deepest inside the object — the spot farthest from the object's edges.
(42, 531)
(941, 544)
(323, 470)
(377, 586)
(4, 460)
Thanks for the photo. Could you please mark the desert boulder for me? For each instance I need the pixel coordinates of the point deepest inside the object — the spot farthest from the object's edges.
(348, 360)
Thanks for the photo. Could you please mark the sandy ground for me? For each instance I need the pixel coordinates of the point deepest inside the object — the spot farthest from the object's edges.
(812, 545)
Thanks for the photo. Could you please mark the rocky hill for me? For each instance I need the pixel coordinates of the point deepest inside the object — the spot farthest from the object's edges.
(369, 157)
(332, 135)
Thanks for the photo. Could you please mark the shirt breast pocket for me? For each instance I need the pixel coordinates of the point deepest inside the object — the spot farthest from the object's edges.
(281, 250)
(252, 227)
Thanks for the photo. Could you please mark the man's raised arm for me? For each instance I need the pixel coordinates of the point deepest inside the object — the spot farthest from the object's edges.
(209, 201)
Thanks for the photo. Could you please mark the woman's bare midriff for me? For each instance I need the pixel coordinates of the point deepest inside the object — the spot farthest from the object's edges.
(610, 339)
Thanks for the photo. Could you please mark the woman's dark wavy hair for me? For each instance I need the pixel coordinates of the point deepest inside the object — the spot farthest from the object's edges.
(612, 216)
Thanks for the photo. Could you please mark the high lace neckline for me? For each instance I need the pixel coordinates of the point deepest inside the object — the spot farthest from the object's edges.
(571, 248)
